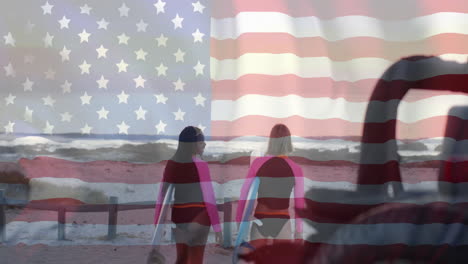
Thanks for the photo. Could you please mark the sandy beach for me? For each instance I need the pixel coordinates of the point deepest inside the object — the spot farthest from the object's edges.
(43, 254)
(32, 234)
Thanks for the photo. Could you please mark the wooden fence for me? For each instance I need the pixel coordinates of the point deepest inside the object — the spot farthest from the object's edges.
(113, 207)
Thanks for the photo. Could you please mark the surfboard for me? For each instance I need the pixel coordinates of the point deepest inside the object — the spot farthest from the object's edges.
(158, 230)
(245, 223)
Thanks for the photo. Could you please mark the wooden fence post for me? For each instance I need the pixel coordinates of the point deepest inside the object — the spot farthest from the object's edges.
(61, 223)
(112, 227)
(227, 212)
(2, 217)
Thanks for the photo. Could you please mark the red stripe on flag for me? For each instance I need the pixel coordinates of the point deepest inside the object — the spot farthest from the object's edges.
(322, 171)
(359, 91)
(347, 49)
(397, 9)
(329, 128)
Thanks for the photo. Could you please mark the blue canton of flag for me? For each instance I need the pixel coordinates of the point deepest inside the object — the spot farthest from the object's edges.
(104, 67)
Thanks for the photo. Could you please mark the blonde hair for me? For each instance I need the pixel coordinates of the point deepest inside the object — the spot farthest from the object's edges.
(280, 141)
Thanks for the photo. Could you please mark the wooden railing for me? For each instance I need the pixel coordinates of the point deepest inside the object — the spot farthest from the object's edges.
(113, 207)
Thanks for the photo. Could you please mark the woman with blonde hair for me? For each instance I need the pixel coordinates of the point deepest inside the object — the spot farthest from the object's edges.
(277, 176)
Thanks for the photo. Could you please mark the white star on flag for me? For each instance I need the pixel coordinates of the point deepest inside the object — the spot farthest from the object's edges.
(47, 8)
(9, 127)
(86, 129)
(161, 69)
(85, 9)
(179, 56)
(102, 82)
(179, 115)
(177, 21)
(48, 129)
(160, 98)
(85, 67)
(102, 24)
(123, 10)
(66, 87)
(27, 85)
(198, 7)
(66, 117)
(123, 128)
(10, 99)
(85, 99)
(48, 101)
(139, 82)
(102, 113)
(201, 127)
(9, 70)
(162, 40)
(101, 52)
(48, 40)
(123, 39)
(141, 54)
(161, 127)
(179, 85)
(64, 22)
(140, 113)
(199, 68)
(123, 97)
(84, 36)
(122, 66)
(141, 26)
(9, 40)
(159, 6)
(199, 100)
(197, 36)
(28, 114)
(65, 54)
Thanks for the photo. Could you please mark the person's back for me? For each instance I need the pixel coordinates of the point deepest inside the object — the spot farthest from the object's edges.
(187, 182)
(276, 184)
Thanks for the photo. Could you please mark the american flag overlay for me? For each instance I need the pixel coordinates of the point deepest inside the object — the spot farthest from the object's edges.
(372, 94)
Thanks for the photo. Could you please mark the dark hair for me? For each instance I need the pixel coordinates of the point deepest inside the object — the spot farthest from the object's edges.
(191, 134)
(187, 146)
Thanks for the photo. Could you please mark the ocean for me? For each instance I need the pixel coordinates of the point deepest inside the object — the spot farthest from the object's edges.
(150, 149)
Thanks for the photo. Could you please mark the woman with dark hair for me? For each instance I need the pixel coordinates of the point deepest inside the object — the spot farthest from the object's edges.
(194, 206)
(278, 175)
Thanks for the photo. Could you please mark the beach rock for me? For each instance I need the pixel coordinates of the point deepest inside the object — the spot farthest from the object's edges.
(13, 181)
(12, 173)
(48, 188)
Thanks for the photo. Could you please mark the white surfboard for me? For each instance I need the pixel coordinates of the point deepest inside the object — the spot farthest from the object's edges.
(158, 231)
(245, 224)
